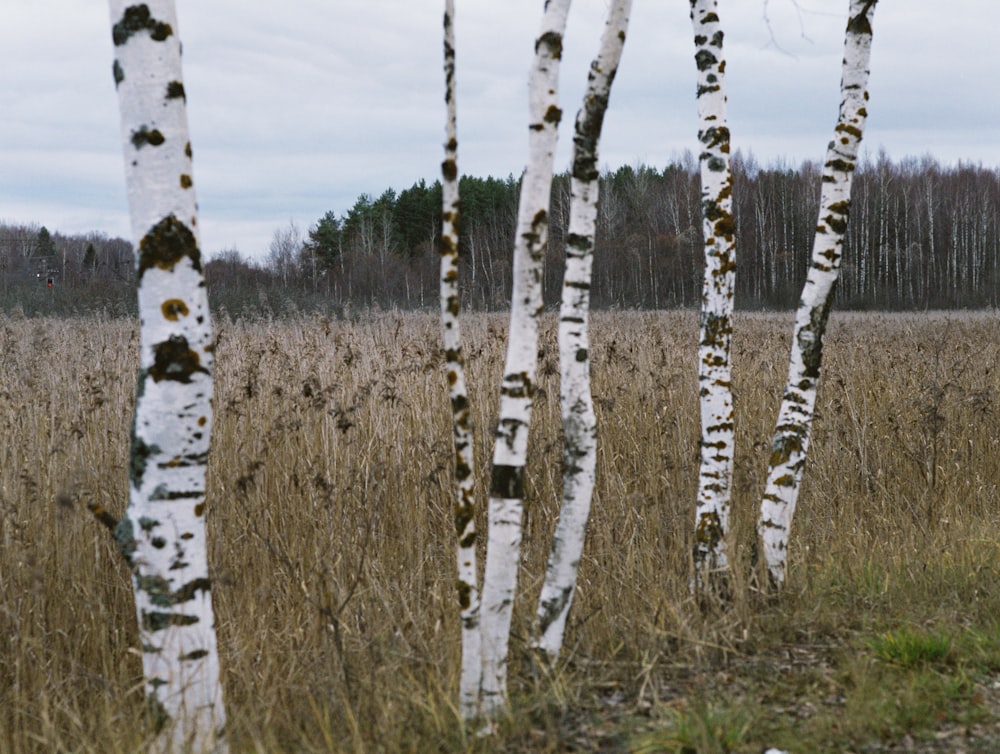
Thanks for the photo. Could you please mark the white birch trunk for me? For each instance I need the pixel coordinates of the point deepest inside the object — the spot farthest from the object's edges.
(579, 421)
(465, 504)
(517, 391)
(163, 531)
(714, 377)
(791, 439)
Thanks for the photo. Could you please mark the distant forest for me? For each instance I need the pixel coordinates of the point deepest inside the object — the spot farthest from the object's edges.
(921, 236)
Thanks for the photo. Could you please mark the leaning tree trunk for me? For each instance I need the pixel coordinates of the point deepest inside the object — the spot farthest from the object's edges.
(163, 531)
(579, 421)
(506, 503)
(791, 439)
(714, 377)
(465, 504)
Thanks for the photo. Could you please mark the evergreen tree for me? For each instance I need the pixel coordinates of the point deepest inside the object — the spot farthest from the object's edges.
(325, 241)
(46, 246)
(417, 216)
(89, 263)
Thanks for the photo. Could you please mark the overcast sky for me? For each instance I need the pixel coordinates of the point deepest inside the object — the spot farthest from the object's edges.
(298, 107)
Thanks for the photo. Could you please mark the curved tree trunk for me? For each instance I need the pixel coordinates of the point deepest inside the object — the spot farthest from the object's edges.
(579, 421)
(163, 531)
(506, 504)
(791, 439)
(465, 504)
(714, 377)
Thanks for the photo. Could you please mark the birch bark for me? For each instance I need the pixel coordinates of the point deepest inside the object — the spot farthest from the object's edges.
(465, 504)
(163, 531)
(791, 439)
(579, 421)
(714, 377)
(506, 502)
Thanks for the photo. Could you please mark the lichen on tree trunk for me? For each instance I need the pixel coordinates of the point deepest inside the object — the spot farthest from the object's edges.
(465, 503)
(719, 231)
(163, 533)
(795, 417)
(579, 420)
(517, 391)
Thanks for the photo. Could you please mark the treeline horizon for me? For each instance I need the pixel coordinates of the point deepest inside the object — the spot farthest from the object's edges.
(920, 236)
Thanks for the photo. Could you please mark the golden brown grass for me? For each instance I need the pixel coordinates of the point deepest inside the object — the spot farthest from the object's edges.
(332, 540)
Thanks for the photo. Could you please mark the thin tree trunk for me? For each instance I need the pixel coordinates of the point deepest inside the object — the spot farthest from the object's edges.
(579, 421)
(791, 439)
(163, 532)
(517, 391)
(714, 378)
(465, 504)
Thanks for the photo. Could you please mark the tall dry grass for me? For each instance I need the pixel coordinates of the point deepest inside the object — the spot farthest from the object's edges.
(332, 536)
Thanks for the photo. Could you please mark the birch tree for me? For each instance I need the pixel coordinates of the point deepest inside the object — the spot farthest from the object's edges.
(719, 229)
(795, 417)
(579, 421)
(465, 504)
(162, 534)
(517, 391)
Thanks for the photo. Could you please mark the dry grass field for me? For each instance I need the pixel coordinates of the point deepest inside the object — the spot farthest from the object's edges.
(333, 548)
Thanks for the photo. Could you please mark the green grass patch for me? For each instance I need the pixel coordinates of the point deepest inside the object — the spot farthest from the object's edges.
(898, 686)
(910, 648)
(701, 727)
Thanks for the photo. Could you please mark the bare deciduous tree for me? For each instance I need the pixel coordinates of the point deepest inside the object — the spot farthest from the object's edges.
(163, 531)
(795, 417)
(579, 420)
(465, 503)
(719, 232)
(517, 392)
